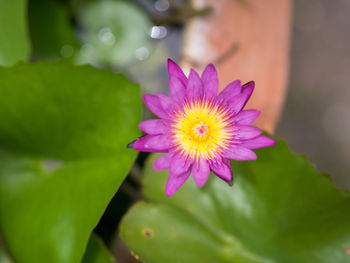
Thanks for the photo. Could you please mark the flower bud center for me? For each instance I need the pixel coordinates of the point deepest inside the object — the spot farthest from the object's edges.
(200, 131)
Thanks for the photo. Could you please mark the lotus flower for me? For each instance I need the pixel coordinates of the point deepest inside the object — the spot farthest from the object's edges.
(199, 129)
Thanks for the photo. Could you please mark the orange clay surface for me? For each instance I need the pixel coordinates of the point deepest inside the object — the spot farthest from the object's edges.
(247, 40)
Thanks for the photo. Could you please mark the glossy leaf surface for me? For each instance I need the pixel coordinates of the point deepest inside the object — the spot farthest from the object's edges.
(63, 131)
(280, 209)
(96, 252)
(14, 42)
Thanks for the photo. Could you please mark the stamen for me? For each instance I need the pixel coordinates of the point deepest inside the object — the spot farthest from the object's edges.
(202, 128)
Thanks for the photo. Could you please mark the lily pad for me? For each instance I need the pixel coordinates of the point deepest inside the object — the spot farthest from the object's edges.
(14, 44)
(96, 252)
(63, 131)
(114, 33)
(281, 209)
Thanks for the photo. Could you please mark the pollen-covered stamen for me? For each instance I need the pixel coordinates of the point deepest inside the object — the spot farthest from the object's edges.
(202, 129)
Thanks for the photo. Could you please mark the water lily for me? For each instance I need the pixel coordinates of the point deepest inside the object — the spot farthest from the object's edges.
(199, 129)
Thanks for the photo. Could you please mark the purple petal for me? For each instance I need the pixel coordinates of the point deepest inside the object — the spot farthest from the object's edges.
(163, 162)
(154, 126)
(152, 143)
(258, 142)
(175, 70)
(210, 81)
(200, 171)
(168, 104)
(233, 89)
(223, 170)
(246, 117)
(179, 172)
(175, 182)
(248, 89)
(238, 102)
(177, 89)
(179, 165)
(194, 87)
(243, 132)
(152, 102)
(239, 153)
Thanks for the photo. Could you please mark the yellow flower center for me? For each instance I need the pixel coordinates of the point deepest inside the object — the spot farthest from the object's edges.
(201, 128)
(200, 131)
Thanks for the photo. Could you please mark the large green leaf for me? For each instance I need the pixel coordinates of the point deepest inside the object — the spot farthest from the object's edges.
(63, 131)
(14, 43)
(96, 252)
(281, 209)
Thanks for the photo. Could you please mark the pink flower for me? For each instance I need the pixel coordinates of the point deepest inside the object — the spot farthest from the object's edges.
(199, 129)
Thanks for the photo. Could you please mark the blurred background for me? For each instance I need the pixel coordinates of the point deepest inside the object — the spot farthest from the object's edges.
(316, 115)
(308, 105)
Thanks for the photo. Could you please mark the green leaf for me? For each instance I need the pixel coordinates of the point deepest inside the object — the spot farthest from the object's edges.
(280, 209)
(96, 252)
(63, 131)
(56, 36)
(14, 44)
(115, 33)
